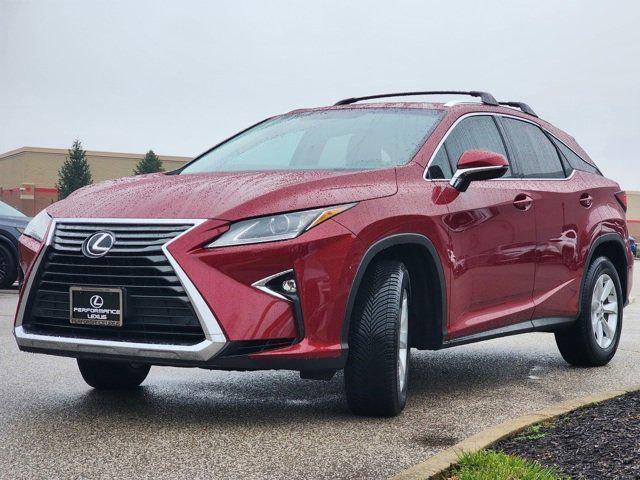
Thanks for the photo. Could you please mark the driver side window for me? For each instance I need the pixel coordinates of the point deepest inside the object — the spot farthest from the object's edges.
(472, 133)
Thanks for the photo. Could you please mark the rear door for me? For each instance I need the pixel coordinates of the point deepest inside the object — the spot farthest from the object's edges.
(556, 196)
(492, 237)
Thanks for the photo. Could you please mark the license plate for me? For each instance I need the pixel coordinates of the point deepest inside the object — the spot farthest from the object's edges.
(96, 306)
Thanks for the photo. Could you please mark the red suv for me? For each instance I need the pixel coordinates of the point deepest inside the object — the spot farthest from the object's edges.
(335, 238)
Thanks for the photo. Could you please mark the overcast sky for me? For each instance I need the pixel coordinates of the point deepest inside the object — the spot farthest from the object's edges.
(180, 76)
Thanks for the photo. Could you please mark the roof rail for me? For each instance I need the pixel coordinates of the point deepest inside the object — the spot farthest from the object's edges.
(522, 106)
(484, 96)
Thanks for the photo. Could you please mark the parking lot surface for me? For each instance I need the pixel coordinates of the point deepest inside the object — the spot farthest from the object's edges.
(189, 423)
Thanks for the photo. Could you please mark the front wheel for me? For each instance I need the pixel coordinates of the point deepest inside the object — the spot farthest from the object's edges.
(593, 339)
(112, 375)
(377, 370)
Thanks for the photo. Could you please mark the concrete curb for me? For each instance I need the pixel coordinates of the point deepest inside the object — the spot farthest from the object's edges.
(440, 462)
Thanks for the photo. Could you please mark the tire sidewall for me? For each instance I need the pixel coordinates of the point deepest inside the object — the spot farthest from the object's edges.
(371, 373)
(600, 266)
(404, 284)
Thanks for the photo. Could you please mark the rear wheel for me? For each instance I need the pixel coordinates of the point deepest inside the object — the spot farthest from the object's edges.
(593, 339)
(377, 370)
(112, 375)
(8, 268)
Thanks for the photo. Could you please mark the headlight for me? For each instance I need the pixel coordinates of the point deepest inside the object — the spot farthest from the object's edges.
(38, 226)
(276, 227)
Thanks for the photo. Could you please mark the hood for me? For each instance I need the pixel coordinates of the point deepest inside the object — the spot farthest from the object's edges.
(223, 196)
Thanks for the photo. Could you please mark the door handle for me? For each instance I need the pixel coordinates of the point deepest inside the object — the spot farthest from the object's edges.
(586, 200)
(523, 202)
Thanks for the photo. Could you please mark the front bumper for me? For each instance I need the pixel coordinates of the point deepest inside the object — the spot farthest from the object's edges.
(221, 281)
(87, 347)
(215, 339)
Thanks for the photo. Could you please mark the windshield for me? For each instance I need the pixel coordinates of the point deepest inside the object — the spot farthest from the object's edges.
(346, 139)
(7, 211)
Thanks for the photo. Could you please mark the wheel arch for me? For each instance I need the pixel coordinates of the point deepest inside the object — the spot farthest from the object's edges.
(612, 246)
(420, 257)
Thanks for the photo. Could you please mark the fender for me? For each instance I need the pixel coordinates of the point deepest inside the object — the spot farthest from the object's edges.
(607, 237)
(369, 255)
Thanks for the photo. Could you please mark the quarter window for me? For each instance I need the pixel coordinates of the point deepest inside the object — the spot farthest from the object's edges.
(440, 167)
(536, 155)
(574, 160)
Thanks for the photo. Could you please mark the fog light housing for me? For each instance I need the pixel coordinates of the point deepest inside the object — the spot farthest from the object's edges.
(281, 285)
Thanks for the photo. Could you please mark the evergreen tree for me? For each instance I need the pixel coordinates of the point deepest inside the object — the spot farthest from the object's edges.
(74, 173)
(149, 164)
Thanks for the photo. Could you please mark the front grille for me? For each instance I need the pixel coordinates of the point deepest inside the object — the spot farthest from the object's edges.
(156, 306)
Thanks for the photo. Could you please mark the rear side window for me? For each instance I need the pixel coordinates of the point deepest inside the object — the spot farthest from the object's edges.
(536, 155)
(574, 160)
(472, 133)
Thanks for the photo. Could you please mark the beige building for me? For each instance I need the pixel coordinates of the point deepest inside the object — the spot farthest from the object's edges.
(633, 213)
(28, 175)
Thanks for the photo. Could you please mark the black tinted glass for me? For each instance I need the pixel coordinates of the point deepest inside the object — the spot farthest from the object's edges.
(574, 160)
(536, 155)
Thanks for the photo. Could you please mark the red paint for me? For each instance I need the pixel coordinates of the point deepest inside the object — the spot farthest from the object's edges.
(481, 158)
(511, 249)
(228, 196)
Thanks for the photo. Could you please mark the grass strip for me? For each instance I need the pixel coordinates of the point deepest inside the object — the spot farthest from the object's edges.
(490, 465)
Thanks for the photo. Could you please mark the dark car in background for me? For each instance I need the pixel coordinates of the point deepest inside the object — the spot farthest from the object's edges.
(634, 246)
(12, 223)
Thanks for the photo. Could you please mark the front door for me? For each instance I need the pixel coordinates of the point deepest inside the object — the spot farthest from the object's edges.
(492, 239)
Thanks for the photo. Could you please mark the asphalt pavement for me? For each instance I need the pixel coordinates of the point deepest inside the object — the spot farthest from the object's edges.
(190, 423)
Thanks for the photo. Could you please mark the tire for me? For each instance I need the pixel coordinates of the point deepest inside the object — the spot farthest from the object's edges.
(8, 267)
(110, 375)
(586, 343)
(375, 379)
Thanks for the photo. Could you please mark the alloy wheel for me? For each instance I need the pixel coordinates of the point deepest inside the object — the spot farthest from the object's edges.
(604, 311)
(403, 341)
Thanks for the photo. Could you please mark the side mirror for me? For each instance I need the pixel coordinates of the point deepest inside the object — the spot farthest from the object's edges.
(478, 165)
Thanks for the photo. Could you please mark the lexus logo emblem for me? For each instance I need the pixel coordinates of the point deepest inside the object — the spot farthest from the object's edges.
(98, 244)
(96, 301)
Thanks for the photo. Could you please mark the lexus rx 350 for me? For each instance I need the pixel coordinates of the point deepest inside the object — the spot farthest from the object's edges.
(336, 238)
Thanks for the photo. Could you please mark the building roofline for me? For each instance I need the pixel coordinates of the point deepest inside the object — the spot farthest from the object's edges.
(92, 153)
